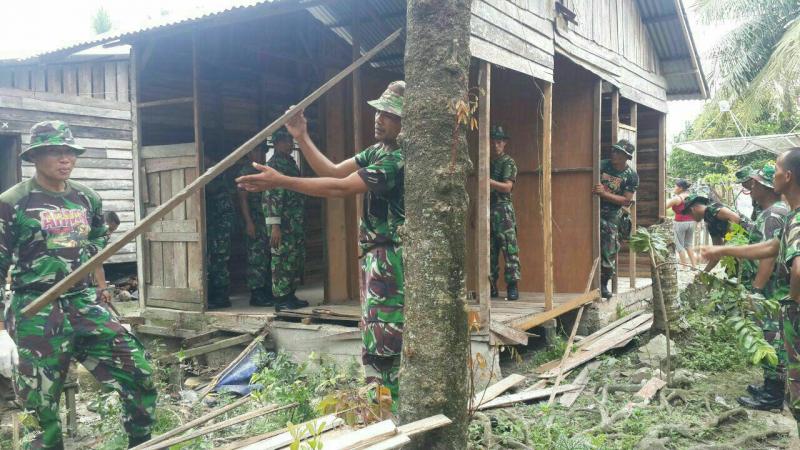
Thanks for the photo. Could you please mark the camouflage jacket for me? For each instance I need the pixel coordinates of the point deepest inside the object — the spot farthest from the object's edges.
(502, 169)
(618, 183)
(281, 205)
(47, 235)
(767, 226)
(717, 227)
(383, 171)
(219, 200)
(789, 249)
(254, 199)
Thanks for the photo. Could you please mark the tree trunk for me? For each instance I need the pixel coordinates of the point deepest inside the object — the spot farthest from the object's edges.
(669, 280)
(434, 374)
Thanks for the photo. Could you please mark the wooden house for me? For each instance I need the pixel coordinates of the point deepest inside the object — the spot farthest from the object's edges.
(90, 92)
(566, 79)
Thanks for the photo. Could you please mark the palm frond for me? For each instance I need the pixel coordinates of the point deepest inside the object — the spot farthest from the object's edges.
(783, 63)
(714, 11)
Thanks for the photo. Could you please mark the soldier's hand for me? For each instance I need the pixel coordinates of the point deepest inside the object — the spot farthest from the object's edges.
(104, 295)
(598, 189)
(266, 178)
(708, 252)
(297, 125)
(9, 357)
(250, 229)
(275, 236)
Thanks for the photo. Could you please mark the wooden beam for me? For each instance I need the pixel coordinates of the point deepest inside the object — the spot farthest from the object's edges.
(546, 197)
(597, 147)
(482, 205)
(166, 102)
(494, 391)
(632, 254)
(423, 425)
(526, 396)
(204, 349)
(140, 193)
(614, 139)
(508, 335)
(67, 282)
(534, 320)
(662, 165)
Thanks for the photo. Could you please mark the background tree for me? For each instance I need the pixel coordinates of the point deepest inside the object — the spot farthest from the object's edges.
(434, 375)
(101, 22)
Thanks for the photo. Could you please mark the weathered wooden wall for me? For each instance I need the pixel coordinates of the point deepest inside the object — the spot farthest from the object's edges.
(102, 126)
(106, 79)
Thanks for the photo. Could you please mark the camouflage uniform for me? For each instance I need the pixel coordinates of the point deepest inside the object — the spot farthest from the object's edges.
(220, 215)
(718, 228)
(617, 183)
(259, 273)
(286, 208)
(790, 309)
(50, 235)
(768, 225)
(382, 279)
(503, 222)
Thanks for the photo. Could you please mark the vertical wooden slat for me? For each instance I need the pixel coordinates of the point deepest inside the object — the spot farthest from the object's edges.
(194, 250)
(85, 80)
(22, 78)
(38, 80)
(179, 248)
(358, 143)
(6, 78)
(70, 80)
(614, 138)
(156, 248)
(662, 164)
(139, 185)
(98, 81)
(54, 79)
(122, 82)
(547, 188)
(482, 208)
(632, 254)
(597, 146)
(168, 248)
(198, 142)
(110, 80)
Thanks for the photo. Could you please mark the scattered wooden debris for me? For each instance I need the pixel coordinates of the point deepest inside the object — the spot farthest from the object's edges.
(215, 381)
(595, 346)
(650, 389)
(285, 438)
(525, 396)
(204, 349)
(493, 391)
(342, 313)
(426, 424)
(582, 380)
(367, 436)
(508, 335)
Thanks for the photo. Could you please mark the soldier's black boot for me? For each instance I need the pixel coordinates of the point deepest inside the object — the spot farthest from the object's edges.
(289, 302)
(513, 292)
(493, 284)
(261, 297)
(218, 299)
(756, 389)
(771, 397)
(133, 441)
(604, 292)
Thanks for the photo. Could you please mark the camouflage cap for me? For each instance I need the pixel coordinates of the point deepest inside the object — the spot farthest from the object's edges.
(766, 176)
(280, 135)
(692, 200)
(51, 133)
(391, 100)
(499, 133)
(744, 174)
(624, 146)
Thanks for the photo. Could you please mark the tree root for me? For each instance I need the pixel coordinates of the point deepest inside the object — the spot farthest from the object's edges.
(630, 388)
(744, 440)
(678, 394)
(488, 436)
(510, 443)
(732, 414)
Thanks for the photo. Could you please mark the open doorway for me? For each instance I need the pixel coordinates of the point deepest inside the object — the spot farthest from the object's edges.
(9, 154)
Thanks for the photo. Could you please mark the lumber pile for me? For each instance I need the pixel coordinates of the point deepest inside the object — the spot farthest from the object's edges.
(615, 335)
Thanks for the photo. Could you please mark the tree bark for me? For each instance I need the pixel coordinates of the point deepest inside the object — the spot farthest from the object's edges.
(434, 373)
(668, 271)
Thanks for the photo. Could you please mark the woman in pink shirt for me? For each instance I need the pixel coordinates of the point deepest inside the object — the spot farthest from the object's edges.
(684, 223)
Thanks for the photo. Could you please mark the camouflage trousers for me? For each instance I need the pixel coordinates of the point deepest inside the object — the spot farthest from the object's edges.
(503, 235)
(790, 329)
(259, 271)
(76, 326)
(382, 318)
(219, 254)
(609, 245)
(287, 261)
(772, 334)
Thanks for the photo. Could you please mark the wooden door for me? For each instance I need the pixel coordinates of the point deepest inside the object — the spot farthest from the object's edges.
(173, 246)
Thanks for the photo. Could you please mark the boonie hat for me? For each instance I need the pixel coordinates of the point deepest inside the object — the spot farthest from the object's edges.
(51, 133)
(766, 176)
(391, 101)
(624, 146)
(692, 200)
(499, 133)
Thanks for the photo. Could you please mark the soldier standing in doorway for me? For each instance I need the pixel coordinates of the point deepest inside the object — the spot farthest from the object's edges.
(284, 211)
(618, 184)
(259, 272)
(50, 226)
(220, 214)
(503, 175)
(378, 173)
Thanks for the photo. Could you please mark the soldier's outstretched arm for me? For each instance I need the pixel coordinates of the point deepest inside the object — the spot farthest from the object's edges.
(269, 178)
(322, 166)
(762, 250)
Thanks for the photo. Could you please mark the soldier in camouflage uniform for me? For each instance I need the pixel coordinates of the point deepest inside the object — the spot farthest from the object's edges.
(761, 278)
(220, 214)
(376, 172)
(618, 184)
(259, 272)
(284, 211)
(717, 218)
(49, 226)
(503, 175)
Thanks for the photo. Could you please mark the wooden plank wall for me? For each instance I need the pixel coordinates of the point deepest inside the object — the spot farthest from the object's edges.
(514, 34)
(102, 126)
(107, 79)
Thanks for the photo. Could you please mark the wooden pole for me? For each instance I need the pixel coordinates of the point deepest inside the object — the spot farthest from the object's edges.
(199, 153)
(568, 350)
(662, 165)
(482, 213)
(547, 188)
(597, 144)
(614, 138)
(631, 253)
(62, 286)
(139, 177)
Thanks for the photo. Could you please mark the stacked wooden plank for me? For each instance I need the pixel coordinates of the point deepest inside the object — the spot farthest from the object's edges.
(343, 313)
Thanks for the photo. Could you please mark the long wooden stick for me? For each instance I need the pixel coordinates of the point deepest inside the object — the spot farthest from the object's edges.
(62, 286)
(215, 381)
(189, 425)
(568, 350)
